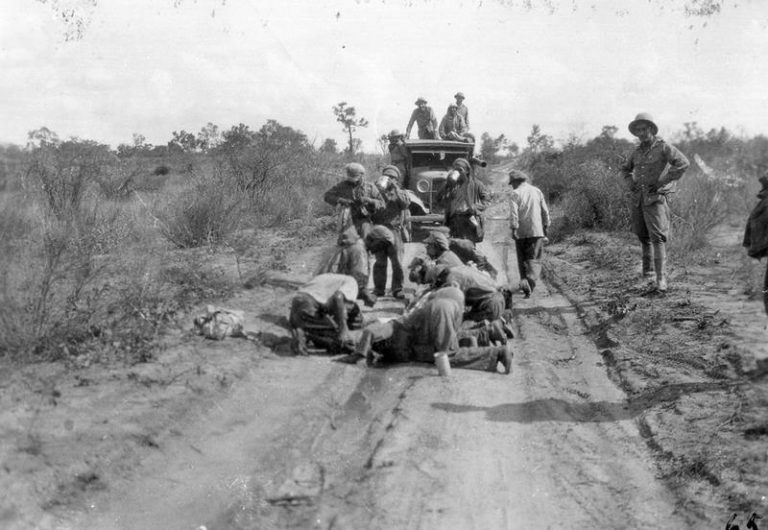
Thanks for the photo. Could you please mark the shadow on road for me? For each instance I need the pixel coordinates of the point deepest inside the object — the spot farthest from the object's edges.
(553, 409)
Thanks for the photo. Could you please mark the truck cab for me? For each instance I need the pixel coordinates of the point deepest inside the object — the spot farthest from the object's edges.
(427, 165)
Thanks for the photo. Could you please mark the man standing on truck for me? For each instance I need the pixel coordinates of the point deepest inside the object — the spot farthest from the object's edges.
(361, 198)
(425, 119)
(649, 173)
(529, 222)
(465, 199)
(461, 108)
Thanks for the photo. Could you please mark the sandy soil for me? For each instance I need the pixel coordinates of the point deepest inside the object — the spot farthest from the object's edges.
(624, 410)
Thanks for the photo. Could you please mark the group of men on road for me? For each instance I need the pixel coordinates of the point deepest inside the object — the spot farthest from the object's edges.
(464, 313)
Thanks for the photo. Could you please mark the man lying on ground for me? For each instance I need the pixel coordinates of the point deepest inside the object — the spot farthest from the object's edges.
(323, 311)
(433, 326)
(451, 251)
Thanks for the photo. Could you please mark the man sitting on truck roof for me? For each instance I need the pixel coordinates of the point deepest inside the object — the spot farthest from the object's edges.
(453, 126)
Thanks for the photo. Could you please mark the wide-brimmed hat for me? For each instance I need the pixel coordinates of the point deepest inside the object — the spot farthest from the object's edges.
(517, 176)
(420, 100)
(643, 117)
(459, 95)
(354, 171)
(395, 133)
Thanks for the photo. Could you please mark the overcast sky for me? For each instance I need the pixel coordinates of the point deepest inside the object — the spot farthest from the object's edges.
(155, 66)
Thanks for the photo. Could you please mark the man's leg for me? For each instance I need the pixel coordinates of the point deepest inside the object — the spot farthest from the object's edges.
(337, 309)
(520, 252)
(640, 229)
(532, 250)
(765, 290)
(380, 272)
(483, 358)
(396, 253)
(657, 221)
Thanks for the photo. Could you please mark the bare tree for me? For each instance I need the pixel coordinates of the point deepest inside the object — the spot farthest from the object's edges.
(347, 116)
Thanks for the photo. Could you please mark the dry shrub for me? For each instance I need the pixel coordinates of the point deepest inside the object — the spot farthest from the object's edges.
(595, 199)
(204, 213)
(696, 209)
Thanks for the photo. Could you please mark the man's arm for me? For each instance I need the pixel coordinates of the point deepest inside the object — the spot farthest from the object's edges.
(433, 120)
(410, 124)
(545, 220)
(333, 197)
(678, 164)
(514, 219)
(441, 130)
(484, 197)
(627, 168)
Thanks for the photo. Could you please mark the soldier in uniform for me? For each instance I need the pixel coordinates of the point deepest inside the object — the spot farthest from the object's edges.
(424, 117)
(649, 173)
(360, 197)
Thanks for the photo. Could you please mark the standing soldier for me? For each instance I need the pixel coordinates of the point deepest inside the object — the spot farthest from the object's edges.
(393, 217)
(397, 153)
(360, 197)
(756, 233)
(649, 173)
(529, 221)
(465, 199)
(425, 119)
(461, 108)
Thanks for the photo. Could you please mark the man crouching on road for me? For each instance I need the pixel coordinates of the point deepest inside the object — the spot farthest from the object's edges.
(323, 311)
(432, 327)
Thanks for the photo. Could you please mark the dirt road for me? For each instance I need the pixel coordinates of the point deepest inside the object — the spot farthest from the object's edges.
(312, 443)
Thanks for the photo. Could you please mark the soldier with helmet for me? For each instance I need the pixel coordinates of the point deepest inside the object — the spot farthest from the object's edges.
(361, 198)
(397, 152)
(649, 173)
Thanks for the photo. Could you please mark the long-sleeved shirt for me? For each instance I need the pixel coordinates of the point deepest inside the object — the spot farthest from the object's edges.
(470, 196)
(655, 164)
(365, 197)
(396, 201)
(756, 232)
(350, 258)
(455, 124)
(528, 211)
(425, 120)
(463, 111)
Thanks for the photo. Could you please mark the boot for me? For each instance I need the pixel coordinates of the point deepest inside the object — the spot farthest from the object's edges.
(647, 259)
(505, 358)
(660, 263)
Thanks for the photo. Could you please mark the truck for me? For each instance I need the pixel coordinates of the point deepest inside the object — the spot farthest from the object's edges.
(427, 164)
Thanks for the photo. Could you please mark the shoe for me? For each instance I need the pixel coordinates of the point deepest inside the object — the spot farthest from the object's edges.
(505, 358)
(525, 287)
(369, 299)
(508, 331)
(298, 342)
(496, 332)
(661, 285)
(399, 294)
(378, 292)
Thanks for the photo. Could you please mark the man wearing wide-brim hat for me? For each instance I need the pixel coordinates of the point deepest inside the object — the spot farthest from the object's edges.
(426, 121)
(649, 173)
(529, 221)
(461, 108)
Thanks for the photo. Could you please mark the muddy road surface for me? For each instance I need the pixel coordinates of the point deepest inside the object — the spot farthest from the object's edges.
(313, 443)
